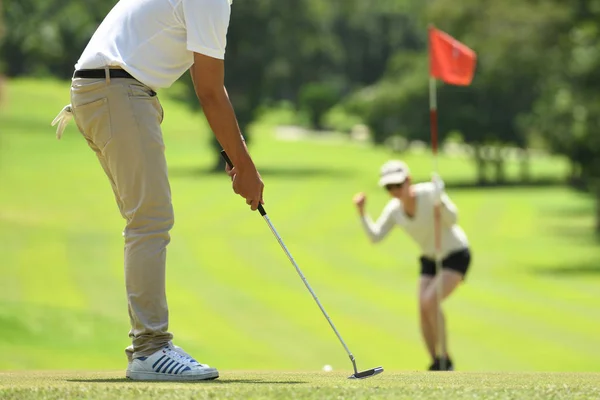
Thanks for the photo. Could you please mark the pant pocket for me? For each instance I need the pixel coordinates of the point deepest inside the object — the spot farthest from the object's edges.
(141, 92)
(93, 120)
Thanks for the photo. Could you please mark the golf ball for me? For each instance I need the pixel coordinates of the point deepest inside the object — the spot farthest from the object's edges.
(327, 368)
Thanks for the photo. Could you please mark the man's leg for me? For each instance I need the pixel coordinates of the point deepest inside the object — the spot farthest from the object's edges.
(123, 123)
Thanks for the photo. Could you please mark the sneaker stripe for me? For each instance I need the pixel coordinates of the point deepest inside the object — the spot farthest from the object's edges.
(163, 363)
(157, 361)
(175, 365)
(167, 366)
(179, 369)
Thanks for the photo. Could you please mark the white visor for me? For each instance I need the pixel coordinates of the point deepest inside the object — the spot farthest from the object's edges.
(393, 172)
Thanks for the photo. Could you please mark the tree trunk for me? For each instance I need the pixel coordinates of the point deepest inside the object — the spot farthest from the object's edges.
(576, 176)
(597, 193)
(315, 120)
(481, 165)
(573, 172)
(499, 165)
(525, 167)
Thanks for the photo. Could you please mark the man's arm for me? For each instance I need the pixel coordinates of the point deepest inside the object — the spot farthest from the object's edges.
(208, 75)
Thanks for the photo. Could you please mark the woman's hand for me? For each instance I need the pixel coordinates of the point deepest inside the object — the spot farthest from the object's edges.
(360, 200)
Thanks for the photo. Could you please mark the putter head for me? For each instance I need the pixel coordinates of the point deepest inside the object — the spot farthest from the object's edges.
(366, 374)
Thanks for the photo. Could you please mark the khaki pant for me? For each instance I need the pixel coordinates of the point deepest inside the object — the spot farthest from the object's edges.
(120, 119)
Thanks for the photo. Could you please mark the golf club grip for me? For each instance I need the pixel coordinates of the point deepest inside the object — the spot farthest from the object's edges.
(261, 209)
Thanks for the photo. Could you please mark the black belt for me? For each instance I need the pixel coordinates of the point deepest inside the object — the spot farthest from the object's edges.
(101, 73)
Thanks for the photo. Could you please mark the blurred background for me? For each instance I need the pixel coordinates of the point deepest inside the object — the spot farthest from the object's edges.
(325, 92)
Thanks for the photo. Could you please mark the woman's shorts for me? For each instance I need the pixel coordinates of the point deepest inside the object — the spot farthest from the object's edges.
(458, 261)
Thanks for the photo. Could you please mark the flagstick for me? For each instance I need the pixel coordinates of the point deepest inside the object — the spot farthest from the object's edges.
(433, 121)
(440, 349)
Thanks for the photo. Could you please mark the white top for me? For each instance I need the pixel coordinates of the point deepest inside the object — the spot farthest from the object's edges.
(421, 226)
(155, 40)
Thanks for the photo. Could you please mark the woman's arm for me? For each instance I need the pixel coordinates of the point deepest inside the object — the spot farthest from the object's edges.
(449, 211)
(376, 231)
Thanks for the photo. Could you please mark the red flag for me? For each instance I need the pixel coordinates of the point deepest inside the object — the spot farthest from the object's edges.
(450, 60)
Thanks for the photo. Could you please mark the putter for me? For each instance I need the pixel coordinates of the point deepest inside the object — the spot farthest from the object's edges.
(357, 375)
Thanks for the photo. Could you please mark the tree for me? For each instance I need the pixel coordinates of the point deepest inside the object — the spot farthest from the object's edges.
(505, 87)
(567, 113)
(271, 46)
(2, 62)
(42, 37)
(2, 29)
(309, 52)
(509, 71)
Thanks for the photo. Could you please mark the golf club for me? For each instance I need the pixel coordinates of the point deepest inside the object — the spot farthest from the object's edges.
(261, 210)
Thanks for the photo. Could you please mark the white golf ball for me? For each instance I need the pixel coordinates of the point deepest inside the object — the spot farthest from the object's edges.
(327, 368)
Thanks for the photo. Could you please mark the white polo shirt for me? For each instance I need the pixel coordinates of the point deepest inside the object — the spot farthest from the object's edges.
(154, 40)
(421, 226)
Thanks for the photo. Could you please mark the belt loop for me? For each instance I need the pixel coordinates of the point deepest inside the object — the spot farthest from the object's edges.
(107, 74)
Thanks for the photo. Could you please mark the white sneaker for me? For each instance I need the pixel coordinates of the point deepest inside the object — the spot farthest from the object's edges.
(170, 363)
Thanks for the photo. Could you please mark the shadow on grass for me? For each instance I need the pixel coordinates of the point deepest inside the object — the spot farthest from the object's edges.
(311, 172)
(569, 270)
(576, 211)
(579, 233)
(534, 183)
(576, 226)
(219, 381)
(226, 381)
(299, 172)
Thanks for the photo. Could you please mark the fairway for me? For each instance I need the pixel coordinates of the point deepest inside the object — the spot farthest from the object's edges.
(316, 385)
(530, 302)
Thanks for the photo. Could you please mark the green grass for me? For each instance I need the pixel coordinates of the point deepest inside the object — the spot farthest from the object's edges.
(307, 385)
(530, 302)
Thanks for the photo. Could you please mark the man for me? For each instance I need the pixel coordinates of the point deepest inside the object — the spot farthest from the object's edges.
(140, 47)
(411, 207)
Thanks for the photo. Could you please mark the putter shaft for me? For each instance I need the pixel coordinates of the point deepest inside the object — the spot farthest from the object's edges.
(266, 217)
(356, 375)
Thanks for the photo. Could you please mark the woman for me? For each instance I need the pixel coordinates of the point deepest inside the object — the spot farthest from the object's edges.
(412, 208)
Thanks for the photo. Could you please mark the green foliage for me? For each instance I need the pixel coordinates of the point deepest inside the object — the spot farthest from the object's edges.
(48, 36)
(316, 99)
(568, 112)
(281, 113)
(398, 104)
(509, 69)
(339, 119)
(2, 33)
(535, 80)
(2, 29)
(486, 111)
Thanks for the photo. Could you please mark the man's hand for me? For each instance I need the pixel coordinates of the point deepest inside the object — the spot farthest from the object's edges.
(229, 171)
(360, 200)
(248, 184)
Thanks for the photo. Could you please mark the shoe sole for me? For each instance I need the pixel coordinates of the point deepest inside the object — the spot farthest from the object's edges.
(156, 376)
